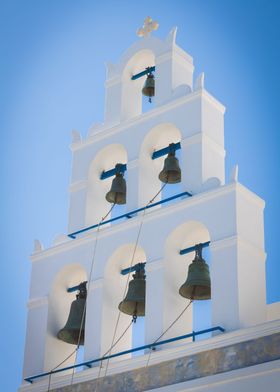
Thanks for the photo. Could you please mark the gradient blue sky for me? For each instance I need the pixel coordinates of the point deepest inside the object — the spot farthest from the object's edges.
(52, 75)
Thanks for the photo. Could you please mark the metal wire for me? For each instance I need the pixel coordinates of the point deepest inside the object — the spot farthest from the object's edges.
(113, 344)
(167, 329)
(111, 348)
(126, 286)
(84, 309)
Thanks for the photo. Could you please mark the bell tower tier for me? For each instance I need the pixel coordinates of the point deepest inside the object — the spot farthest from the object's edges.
(168, 208)
(230, 217)
(195, 120)
(174, 77)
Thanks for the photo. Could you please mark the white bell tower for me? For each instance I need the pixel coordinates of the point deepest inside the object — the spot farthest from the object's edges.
(228, 216)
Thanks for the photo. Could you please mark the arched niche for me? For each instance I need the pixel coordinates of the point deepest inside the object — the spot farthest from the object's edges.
(115, 289)
(106, 159)
(175, 273)
(132, 89)
(157, 138)
(59, 307)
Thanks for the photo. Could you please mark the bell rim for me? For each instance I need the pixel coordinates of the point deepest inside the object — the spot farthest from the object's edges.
(166, 179)
(148, 94)
(207, 296)
(122, 309)
(113, 199)
(67, 336)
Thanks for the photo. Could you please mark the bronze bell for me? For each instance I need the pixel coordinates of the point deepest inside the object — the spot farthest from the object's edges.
(134, 302)
(171, 172)
(198, 284)
(149, 87)
(75, 324)
(117, 193)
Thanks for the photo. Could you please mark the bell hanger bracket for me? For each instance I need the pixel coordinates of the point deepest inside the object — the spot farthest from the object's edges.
(76, 288)
(147, 71)
(120, 167)
(139, 266)
(136, 267)
(164, 151)
(194, 248)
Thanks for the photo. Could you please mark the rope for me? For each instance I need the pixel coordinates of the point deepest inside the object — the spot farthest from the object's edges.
(84, 309)
(167, 329)
(113, 344)
(126, 286)
(57, 366)
(110, 349)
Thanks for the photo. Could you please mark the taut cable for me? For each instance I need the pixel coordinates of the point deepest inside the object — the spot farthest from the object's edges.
(84, 309)
(126, 286)
(167, 329)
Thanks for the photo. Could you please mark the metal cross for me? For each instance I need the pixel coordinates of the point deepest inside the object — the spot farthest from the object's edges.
(148, 26)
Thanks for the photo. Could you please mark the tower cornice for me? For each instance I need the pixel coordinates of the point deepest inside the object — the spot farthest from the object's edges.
(106, 132)
(198, 199)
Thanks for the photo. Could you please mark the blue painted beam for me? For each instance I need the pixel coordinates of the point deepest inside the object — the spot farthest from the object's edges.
(143, 73)
(128, 270)
(74, 288)
(136, 267)
(193, 248)
(129, 214)
(151, 346)
(112, 172)
(166, 150)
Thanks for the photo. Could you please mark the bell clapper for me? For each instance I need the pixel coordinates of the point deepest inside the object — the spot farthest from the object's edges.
(134, 316)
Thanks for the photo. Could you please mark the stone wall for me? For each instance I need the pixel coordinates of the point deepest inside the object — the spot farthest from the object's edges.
(211, 362)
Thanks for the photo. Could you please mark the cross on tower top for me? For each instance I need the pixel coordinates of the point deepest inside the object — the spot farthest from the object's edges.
(148, 26)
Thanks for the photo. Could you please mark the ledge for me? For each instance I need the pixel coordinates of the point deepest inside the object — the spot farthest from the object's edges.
(189, 361)
(105, 132)
(211, 362)
(153, 214)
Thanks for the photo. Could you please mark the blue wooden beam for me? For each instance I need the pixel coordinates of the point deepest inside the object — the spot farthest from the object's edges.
(112, 172)
(150, 346)
(143, 73)
(166, 150)
(74, 288)
(130, 214)
(193, 248)
(135, 267)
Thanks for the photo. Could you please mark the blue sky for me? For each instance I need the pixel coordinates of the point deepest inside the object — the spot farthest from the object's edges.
(52, 76)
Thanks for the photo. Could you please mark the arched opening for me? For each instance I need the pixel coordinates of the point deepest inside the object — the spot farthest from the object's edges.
(198, 315)
(115, 290)
(132, 89)
(59, 306)
(149, 184)
(106, 159)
